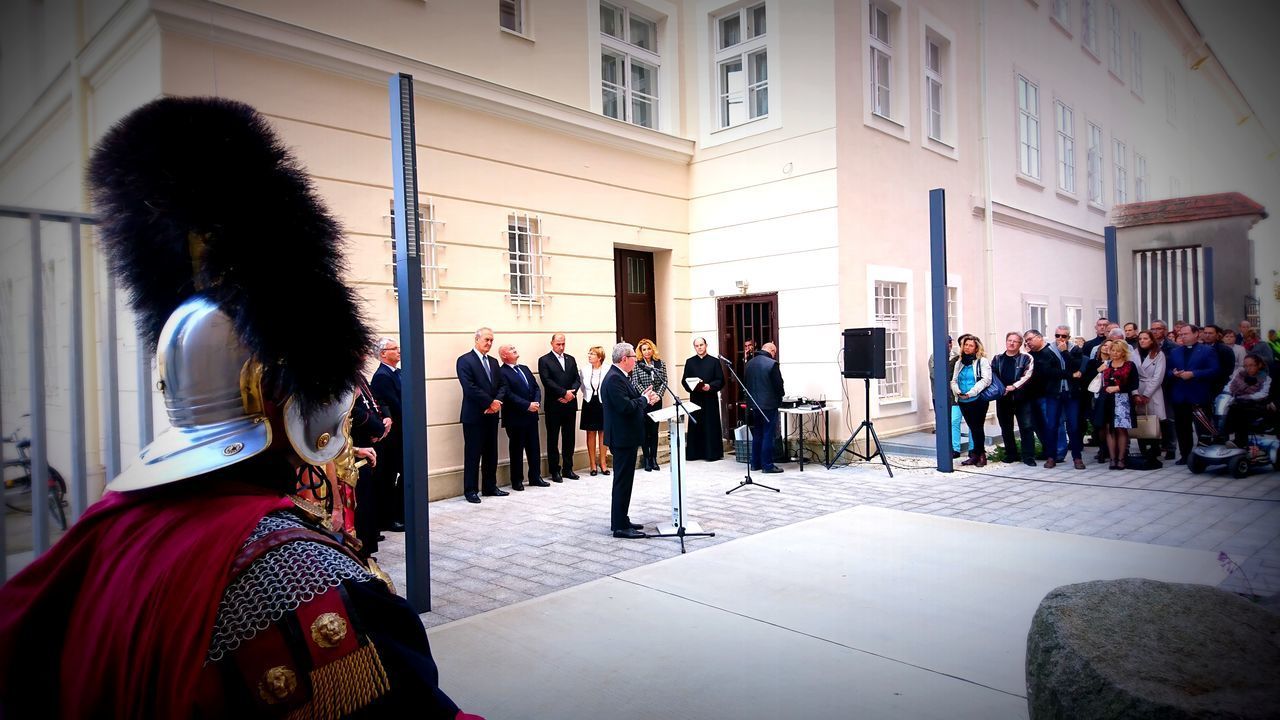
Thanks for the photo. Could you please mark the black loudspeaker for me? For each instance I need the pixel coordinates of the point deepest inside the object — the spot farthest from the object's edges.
(864, 353)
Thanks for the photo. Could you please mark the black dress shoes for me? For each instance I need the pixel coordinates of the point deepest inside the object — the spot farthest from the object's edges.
(556, 478)
(656, 466)
(629, 533)
(519, 487)
(570, 475)
(496, 492)
(472, 498)
(636, 526)
(540, 483)
(771, 470)
(396, 527)
(593, 472)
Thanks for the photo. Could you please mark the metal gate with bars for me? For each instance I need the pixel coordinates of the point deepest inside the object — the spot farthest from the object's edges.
(1171, 285)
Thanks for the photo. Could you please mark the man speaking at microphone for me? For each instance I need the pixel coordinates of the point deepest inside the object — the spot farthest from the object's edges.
(624, 419)
(764, 382)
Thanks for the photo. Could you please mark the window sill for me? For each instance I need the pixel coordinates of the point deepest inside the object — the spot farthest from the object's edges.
(1114, 76)
(1058, 24)
(1137, 95)
(945, 149)
(1069, 197)
(760, 118)
(513, 33)
(888, 126)
(1029, 181)
(1095, 207)
(1091, 54)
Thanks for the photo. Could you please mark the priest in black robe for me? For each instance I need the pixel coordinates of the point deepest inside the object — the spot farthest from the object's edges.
(703, 439)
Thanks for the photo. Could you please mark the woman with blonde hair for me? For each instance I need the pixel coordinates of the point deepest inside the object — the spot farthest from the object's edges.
(593, 410)
(1119, 379)
(650, 372)
(971, 376)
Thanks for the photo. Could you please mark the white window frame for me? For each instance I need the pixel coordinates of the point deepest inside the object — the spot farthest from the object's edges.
(934, 108)
(660, 11)
(519, 15)
(903, 401)
(1035, 310)
(941, 36)
(524, 240)
(1060, 12)
(1119, 161)
(1095, 156)
(1073, 315)
(1089, 26)
(1065, 127)
(953, 309)
(428, 253)
(895, 51)
(1135, 63)
(1139, 177)
(1115, 58)
(630, 53)
(706, 29)
(1028, 134)
(880, 23)
(752, 44)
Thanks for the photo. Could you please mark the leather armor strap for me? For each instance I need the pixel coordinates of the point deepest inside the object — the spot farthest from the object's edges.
(272, 540)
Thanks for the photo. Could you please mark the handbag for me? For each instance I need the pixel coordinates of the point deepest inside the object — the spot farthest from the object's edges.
(1145, 426)
(1095, 385)
(994, 391)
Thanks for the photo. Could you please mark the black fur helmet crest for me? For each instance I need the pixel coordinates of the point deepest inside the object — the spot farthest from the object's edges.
(199, 195)
(234, 269)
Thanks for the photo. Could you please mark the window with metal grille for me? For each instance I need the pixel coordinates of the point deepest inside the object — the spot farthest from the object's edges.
(891, 314)
(525, 260)
(428, 253)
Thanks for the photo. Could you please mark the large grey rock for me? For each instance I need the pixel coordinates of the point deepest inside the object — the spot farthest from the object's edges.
(1144, 649)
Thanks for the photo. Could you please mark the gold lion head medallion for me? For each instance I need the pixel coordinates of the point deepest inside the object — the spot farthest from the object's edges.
(328, 630)
(277, 684)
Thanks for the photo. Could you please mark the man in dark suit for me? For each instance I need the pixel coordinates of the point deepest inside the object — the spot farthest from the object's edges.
(560, 379)
(1189, 367)
(764, 382)
(624, 419)
(386, 390)
(482, 396)
(520, 405)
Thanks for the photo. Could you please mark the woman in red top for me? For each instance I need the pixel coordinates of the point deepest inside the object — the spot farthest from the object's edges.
(1119, 380)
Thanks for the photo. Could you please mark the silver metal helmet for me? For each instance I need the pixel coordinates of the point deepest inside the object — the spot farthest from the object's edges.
(212, 390)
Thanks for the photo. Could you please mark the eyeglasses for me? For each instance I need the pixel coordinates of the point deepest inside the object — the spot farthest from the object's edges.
(1061, 336)
(624, 357)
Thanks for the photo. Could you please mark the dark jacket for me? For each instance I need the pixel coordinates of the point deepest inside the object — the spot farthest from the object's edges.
(557, 381)
(624, 411)
(1226, 366)
(1015, 372)
(478, 391)
(385, 386)
(764, 381)
(1203, 364)
(366, 417)
(519, 389)
(1048, 374)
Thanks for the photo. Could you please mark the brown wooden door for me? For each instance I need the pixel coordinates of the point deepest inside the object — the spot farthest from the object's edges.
(742, 318)
(634, 293)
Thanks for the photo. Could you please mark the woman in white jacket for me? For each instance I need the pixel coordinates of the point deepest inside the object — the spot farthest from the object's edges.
(1149, 397)
(971, 376)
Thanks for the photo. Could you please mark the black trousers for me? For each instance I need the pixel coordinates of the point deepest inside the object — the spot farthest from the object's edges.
(975, 416)
(524, 447)
(624, 473)
(1182, 426)
(388, 488)
(561, 434)
(650, 448)
(480, 455)
(367, 509)
(1009, 408)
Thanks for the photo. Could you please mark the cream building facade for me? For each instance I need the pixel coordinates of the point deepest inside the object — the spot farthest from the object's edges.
(769, 161)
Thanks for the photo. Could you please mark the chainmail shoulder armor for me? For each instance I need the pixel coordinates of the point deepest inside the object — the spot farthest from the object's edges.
(279, 582)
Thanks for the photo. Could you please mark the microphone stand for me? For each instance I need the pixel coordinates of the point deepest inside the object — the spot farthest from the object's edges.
(678, 464)
(756, 405)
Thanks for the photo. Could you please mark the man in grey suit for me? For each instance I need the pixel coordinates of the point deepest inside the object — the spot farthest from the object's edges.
(764, 382)
(624, 419)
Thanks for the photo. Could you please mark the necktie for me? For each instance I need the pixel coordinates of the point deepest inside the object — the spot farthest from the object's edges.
(523, 379)
(484, 361)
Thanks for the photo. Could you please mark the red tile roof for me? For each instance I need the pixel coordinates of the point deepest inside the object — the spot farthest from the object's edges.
(1185, 209)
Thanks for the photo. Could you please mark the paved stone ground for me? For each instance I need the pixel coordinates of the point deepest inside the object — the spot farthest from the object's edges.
(544, 539)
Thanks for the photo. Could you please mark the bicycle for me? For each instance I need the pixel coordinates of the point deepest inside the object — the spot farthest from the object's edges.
(17, 491)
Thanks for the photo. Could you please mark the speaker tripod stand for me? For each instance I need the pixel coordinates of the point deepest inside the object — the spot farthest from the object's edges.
(870, 438)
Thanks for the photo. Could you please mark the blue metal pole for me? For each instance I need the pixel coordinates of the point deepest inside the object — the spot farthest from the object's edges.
(1113, 275)
(79, 492)
(412, 346)
(938, 297)
(39, 445)
(112, 389)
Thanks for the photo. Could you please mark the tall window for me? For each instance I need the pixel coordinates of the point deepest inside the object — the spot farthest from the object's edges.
(1066, 123)
(933, 83)
(1075, 319)
(891, 314)
(742, 66)
(1061, 10)
(1118, 153)
(1139, 177)
(1089, 25)
(629, 64)
(1135, 65)
(1095, 164)
(1115, 61)
(1038, 318)
(525, 258)
(881, 62)
(953, 311)
(511, 15)
(1028, 128)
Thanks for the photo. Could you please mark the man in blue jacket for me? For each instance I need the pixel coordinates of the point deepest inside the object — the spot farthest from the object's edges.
(1192, 365)
(520, 418)
(624, 419)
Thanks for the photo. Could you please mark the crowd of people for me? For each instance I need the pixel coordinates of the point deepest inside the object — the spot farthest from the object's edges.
(1124, 384)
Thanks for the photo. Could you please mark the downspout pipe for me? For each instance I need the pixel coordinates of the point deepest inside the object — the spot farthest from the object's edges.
(988, 224)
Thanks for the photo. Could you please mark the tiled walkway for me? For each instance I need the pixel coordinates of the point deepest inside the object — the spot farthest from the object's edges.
(543, 539)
